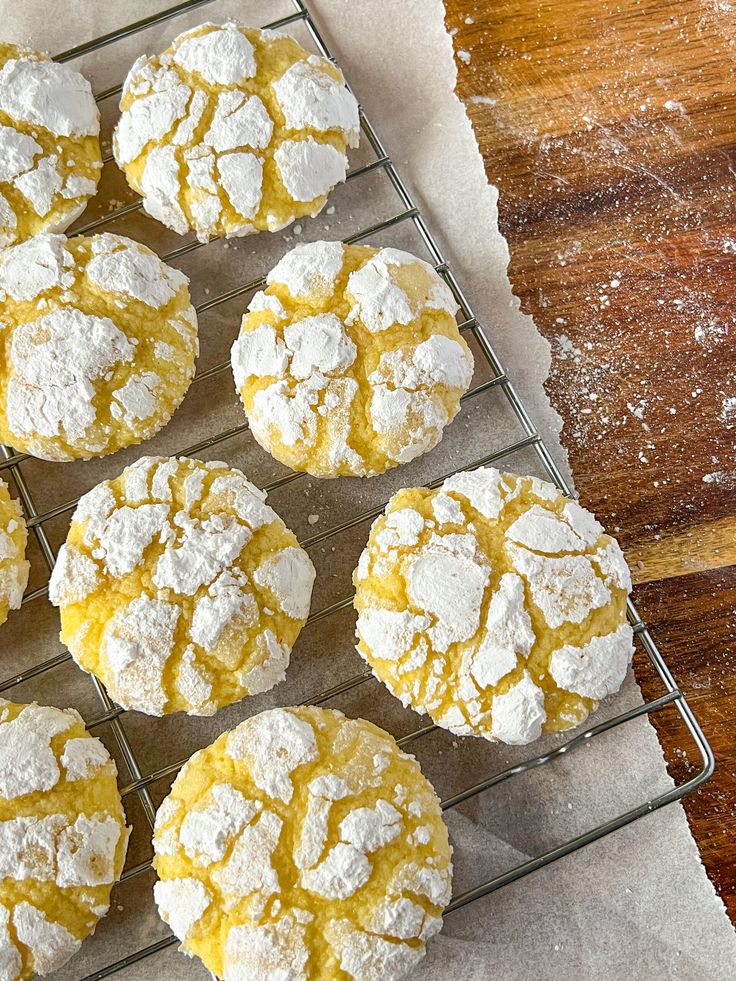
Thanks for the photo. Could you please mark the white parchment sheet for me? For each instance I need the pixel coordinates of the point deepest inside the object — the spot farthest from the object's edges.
(635, 905)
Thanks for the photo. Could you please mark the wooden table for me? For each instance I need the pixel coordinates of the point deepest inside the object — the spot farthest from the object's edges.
(610, 132)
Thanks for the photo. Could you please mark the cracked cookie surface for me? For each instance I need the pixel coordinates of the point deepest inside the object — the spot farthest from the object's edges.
(306, 845)
(350, 361)
(180, 588)
(62, 837)
(234, 130)
(495, 604)
(50, 159)
(98, 340)
(14, 567)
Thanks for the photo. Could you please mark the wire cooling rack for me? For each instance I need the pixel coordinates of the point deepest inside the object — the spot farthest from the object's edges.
(42, 518)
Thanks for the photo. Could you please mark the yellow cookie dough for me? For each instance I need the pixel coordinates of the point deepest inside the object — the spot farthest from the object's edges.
(303, 845)
(351, 361)
(234, 130)
(49, 147)
(13, 565)
(62, 837)
(495, 604)
(179, 588)
(97, 345)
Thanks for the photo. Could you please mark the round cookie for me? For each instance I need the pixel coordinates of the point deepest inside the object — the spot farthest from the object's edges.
(97, 346)
(13, 565)
(303, 845)
(179, 588)
(233, 131)
(62, 837)
(495, 604)
(351, 361)
(50, 159)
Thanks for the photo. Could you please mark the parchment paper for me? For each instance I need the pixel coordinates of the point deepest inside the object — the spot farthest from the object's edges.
(637, 904)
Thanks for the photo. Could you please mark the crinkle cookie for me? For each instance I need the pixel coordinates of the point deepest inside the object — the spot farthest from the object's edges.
(49, 147)
(13, 565)
(303, 845)
(62, 837)
(234, 130)
(495, 604)
(97, 345)
(351, 361)
(179, 588)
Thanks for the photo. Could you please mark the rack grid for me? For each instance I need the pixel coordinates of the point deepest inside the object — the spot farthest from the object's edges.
(111, 714)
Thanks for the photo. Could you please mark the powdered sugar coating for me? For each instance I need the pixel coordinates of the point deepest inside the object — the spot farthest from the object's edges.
(494, 604)
(196, 589)
(337, 376)
(289, 828)
(49, 146)
(14, 567)
(233, 130)
(60, 852)
(98, 347)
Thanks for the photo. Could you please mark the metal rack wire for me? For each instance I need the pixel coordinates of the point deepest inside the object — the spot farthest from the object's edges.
(140, 785)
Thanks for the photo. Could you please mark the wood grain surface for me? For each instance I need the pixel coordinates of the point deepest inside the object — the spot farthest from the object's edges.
(610, 132)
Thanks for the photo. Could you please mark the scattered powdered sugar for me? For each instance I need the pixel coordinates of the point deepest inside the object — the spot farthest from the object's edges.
(226, 602)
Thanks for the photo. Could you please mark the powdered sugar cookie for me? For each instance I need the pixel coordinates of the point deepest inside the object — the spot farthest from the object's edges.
(350, 362)
(179, 588)
(62, 837)
(97, 345)
(234, 130)
(49, 147)
(13, 565)
(303, 845)
(495, 604)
